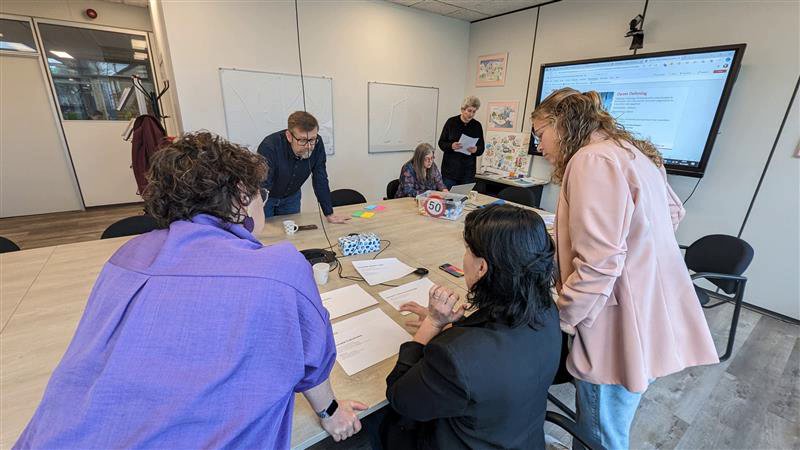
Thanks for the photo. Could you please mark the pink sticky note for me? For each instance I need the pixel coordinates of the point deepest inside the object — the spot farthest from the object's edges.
(380, 208)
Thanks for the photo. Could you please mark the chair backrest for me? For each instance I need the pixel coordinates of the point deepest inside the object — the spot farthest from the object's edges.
(519, 195)
(719, 253)
(391, 189)
(7, 245)
(130, 226)
(342, 197)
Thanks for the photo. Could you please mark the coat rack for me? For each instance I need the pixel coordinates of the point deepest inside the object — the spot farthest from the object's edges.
(153, 97)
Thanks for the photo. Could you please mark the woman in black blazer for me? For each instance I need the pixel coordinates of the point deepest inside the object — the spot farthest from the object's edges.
(481, 381)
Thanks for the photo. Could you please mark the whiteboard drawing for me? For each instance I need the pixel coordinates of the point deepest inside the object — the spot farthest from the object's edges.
(257, 104)
(400, 116)
(506, 153)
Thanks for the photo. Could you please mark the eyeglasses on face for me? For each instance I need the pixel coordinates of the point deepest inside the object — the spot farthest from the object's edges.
(302, 141)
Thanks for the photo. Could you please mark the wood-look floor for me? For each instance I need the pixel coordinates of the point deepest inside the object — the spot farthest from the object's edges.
(751, 401)
(44, 230)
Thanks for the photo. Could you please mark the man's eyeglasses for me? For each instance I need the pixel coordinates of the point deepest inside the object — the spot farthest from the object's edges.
(303, 142)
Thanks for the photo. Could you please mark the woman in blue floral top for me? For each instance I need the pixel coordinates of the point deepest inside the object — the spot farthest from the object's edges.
(420, 174)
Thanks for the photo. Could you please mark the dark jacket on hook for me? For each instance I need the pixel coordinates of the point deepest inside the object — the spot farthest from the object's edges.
(148, 136)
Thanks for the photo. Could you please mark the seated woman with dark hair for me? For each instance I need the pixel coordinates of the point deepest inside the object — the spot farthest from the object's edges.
(420, 174)
(481, 381)
(196, 335)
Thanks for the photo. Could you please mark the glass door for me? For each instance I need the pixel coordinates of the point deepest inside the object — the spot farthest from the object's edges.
(91, 70)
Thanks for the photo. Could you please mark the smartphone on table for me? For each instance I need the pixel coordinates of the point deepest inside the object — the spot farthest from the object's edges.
(452, 270)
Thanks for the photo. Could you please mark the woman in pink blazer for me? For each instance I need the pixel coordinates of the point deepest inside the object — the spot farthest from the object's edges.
(624, 291)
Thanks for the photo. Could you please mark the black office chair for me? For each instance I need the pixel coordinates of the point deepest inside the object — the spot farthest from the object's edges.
(343, 197)
(721, 260)
(7, 245)
(130, 226)
(518, 195)
(391, 189)
(571, 427)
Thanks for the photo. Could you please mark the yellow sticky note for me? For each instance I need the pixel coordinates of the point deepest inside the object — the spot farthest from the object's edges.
(367, 215)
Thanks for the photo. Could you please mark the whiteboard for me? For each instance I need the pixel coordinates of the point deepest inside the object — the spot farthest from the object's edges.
(257, 104)
(401, 116)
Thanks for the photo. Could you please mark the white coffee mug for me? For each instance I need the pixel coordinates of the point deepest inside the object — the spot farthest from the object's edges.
(290, 227)
(321, 271)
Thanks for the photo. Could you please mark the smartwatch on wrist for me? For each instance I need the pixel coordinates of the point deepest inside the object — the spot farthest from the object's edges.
(329, 411)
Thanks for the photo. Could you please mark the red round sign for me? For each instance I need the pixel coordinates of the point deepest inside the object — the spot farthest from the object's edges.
(434, 207)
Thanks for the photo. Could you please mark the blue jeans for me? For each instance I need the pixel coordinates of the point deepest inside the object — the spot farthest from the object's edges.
(282, 206)
(605, 412)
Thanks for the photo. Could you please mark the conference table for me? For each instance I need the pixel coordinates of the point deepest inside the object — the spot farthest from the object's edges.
(43, 293)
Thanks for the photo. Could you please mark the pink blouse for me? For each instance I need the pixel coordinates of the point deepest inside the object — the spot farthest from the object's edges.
(624, 285)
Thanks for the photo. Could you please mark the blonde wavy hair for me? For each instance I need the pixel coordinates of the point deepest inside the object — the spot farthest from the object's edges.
(575, 116)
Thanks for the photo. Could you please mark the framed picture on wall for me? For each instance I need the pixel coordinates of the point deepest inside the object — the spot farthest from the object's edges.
(492, 70)
(502, 116)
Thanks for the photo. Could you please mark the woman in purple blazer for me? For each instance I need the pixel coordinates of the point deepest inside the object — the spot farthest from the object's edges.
(196, 335)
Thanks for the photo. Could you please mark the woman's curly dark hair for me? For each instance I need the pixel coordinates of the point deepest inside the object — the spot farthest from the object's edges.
(519, 253)
(202, 173)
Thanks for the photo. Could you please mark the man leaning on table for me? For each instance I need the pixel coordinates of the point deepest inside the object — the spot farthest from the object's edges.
(293, 155)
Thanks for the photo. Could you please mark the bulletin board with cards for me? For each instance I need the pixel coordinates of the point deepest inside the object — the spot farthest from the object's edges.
(506, 154)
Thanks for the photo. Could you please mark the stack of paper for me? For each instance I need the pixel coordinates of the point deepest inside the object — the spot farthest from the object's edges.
(416, 291)
(467, 142)
(367, 339)
(343, 301)
(377, 271)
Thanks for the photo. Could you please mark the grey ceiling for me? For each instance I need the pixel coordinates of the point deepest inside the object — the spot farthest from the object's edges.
(469, 10)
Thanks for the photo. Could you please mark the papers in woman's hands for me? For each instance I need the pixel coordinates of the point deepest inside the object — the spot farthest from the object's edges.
(416, 291)
(367, 339)
(377, 271)
(343, 301)
(467, 142)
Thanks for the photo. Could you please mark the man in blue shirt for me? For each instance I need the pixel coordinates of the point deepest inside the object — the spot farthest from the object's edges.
(293, 154)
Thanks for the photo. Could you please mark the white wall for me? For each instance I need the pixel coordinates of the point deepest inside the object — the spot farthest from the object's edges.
(773, 228)
(578, 29)
(483, 40)
(352, 41)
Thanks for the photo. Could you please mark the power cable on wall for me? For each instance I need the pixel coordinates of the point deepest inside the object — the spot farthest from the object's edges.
(530, 69)
(644, 14)
(300, 54)
(692, 193)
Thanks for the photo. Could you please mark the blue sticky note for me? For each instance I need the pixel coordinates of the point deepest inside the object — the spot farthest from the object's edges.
(370, 207)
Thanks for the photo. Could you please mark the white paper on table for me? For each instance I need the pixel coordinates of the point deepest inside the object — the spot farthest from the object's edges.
(377, 271)
(467, 142)
(367, 339)
(343, 301)
(416, 291)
